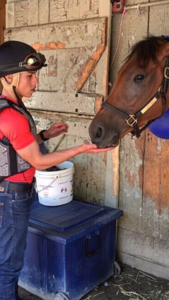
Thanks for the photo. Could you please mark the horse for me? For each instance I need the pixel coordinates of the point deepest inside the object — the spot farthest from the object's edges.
(139, 95)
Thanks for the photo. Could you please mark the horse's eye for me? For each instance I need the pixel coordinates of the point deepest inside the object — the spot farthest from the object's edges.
(139, 77)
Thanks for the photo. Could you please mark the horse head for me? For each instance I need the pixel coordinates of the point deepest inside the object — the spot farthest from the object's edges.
(139, 94)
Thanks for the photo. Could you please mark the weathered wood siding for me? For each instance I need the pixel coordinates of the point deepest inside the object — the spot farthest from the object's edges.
(143, 235)
(75, 38)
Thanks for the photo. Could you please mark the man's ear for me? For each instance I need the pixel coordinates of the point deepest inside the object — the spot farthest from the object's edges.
(9, 78)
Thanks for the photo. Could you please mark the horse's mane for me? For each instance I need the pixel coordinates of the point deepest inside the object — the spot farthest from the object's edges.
(147, 50)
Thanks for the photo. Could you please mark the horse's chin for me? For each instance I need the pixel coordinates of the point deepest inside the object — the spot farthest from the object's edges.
(110, 144)
(102, 138)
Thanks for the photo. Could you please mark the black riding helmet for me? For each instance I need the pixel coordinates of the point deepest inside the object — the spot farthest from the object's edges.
(18, 57)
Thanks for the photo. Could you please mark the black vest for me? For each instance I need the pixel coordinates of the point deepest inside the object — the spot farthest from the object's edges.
(10, 162)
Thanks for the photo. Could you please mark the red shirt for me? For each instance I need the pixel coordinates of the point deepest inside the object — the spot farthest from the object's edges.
(15, 127)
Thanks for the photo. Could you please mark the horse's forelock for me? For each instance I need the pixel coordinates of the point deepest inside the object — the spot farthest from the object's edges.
(146, 50)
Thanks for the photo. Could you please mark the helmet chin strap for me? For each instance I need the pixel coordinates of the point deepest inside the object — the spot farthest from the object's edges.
(18, 98)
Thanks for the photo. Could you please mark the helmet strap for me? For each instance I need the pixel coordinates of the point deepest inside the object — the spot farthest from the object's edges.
(19, 99)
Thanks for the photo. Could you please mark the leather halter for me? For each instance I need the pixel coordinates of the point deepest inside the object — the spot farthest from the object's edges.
(132, 119)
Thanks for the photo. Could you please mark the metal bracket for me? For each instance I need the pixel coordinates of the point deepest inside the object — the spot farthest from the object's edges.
(117, 5)
(131, 120)
(165, 72)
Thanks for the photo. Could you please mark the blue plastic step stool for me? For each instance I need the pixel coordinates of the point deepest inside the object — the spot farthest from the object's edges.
(70, 249)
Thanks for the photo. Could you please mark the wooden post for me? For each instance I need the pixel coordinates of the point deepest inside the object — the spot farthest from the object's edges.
(2, 26)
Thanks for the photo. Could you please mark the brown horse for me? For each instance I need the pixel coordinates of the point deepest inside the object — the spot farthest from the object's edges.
(139, 95)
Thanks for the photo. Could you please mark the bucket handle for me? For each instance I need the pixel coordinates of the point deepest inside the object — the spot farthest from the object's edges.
(56, 177)
(61, 176)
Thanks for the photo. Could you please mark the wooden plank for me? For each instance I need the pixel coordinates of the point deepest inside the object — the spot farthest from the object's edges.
(57, 11)
(33, 12)
(156, 190)
(44, 6)
(98, 80)
(72, 57)
(63, 70)
(160, 13)
(21, 13)
(111, 160)
(148, 248)
(131, 176)
(86, 33)
(78, 126)
(151, 190)
(144, 265)
(65, 102)
(89, 67)
(105, 9)
(131, 151)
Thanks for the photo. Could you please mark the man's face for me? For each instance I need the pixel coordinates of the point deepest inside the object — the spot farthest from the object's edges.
(27, 84)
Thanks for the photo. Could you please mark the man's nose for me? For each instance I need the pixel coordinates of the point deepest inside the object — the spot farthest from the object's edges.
(35, 78)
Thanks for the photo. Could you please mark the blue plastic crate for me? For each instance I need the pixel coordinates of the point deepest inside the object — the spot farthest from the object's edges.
(70, 249)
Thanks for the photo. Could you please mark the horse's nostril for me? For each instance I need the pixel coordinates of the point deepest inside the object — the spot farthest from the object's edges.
(99, 133)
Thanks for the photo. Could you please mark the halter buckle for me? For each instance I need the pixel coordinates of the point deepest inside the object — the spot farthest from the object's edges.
(131, 120)
(165, 72)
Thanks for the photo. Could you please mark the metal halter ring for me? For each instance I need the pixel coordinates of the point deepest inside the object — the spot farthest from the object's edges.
(165, 72)
(131, 120)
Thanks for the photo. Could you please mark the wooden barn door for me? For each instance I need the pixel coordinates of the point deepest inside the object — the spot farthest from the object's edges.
(144, 163)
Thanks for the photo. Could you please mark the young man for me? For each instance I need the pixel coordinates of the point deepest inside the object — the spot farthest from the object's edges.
(20, 156)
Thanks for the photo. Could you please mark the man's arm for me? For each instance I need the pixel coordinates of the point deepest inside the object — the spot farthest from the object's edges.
(41, 161)
(55, 130)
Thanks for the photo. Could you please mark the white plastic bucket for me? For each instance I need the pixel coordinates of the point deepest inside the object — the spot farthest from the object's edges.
(55, 187)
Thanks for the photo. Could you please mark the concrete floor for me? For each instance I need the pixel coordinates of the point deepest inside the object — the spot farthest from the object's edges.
(131, 284)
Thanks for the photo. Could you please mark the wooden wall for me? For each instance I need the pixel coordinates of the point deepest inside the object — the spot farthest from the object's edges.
(144, 163)
(74, 37)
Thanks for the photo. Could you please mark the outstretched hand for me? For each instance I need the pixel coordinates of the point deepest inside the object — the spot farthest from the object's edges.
(56, 129)
(92, 148)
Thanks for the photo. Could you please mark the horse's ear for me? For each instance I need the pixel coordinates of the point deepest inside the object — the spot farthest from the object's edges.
(167, 49)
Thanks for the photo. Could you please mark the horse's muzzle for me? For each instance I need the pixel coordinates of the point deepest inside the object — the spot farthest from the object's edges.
(102, 138)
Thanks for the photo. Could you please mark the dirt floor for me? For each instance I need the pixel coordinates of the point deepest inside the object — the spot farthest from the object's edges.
(131, 284)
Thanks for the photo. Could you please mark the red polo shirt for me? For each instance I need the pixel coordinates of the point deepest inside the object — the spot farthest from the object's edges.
(15, 127)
